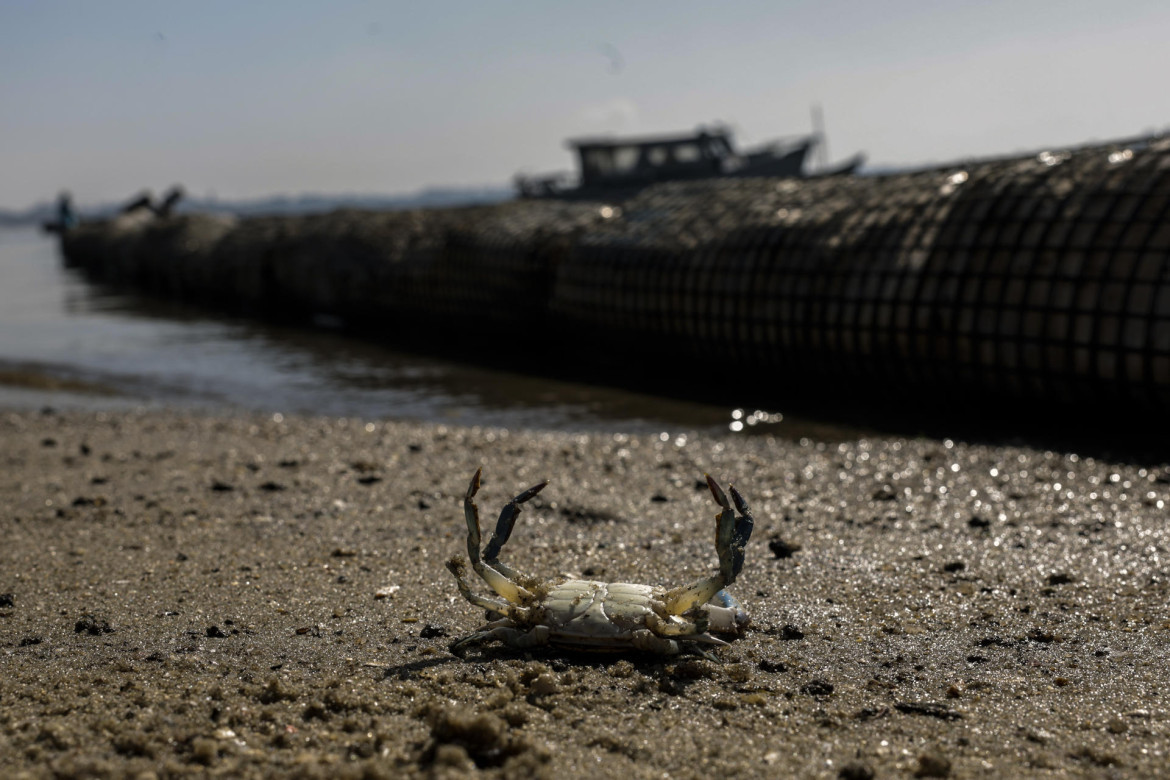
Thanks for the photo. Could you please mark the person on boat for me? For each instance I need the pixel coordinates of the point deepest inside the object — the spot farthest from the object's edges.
(66, 216)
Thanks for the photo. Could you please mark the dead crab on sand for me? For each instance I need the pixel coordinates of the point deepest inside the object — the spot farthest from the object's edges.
(590, 615)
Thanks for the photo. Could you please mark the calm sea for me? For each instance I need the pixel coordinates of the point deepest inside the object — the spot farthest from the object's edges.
(57, 329)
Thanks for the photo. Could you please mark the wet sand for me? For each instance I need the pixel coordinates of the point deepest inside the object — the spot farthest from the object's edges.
(246, 597)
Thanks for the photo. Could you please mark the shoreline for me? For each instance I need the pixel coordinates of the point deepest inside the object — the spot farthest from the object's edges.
(192, 593)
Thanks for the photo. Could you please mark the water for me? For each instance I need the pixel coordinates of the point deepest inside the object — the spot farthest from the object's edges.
(67, 343)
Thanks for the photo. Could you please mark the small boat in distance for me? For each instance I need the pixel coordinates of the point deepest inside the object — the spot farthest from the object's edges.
(620, 167)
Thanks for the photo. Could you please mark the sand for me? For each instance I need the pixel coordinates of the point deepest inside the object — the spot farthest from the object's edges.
(238, 596)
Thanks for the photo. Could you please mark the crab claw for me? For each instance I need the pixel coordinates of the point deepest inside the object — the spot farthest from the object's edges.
(717, 492)
(507, 522)
(530, 492)
(731, 536)
(743, 530)
(500, 579)
(473, 488)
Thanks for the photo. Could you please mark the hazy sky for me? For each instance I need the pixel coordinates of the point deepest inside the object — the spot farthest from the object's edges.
(248, 99)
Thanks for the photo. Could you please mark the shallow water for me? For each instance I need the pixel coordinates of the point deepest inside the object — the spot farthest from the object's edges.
(56, 327)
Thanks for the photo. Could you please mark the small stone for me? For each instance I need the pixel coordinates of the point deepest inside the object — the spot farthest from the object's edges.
(7, 599)
(1117, 726)
(215, 632)
(791, 633)
(782, 549)
(1060, 578)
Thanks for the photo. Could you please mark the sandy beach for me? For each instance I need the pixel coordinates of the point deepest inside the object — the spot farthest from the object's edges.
(249, 597)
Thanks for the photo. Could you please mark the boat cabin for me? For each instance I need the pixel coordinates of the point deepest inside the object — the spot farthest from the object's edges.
(611, 162)
(615, 167)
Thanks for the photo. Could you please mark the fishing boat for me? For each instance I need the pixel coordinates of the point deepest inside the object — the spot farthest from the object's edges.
(614, 167)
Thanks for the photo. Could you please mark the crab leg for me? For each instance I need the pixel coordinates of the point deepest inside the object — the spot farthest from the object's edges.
(503, 532)
(512, 637)
(648, 641)
(500, 583)
(457, 566)
(676, 626)
(731, 536)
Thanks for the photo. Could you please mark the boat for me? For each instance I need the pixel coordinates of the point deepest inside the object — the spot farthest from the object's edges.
(615, 167)
(844, 168)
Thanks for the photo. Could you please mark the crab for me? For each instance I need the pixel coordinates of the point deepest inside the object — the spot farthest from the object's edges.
(589, 615)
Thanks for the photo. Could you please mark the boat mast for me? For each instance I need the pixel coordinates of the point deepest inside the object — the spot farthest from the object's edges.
(818, 125)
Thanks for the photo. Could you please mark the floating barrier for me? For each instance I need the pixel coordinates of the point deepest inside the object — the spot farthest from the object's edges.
(1043, 279)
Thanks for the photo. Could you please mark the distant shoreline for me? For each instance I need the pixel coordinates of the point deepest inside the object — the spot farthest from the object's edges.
(275, 205)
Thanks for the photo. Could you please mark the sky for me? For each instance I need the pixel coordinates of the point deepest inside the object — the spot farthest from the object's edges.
(244, 100)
